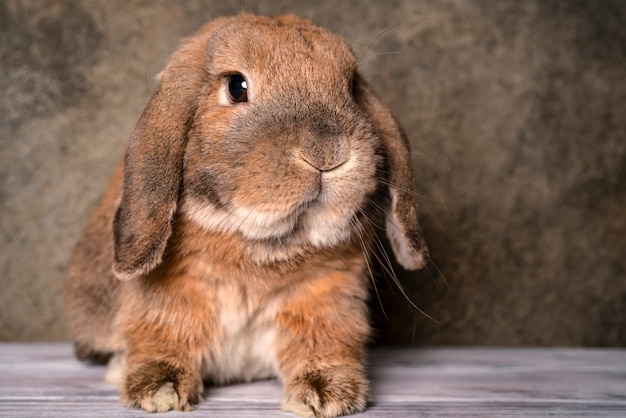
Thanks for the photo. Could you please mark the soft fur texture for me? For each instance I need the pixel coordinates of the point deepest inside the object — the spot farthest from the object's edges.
(239, 234)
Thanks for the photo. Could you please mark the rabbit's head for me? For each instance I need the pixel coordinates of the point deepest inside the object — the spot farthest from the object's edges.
(264, 128)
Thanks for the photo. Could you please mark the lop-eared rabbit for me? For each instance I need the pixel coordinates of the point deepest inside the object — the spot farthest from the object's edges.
(234, 242)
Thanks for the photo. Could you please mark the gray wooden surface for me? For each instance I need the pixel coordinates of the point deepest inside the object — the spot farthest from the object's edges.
(46, 381)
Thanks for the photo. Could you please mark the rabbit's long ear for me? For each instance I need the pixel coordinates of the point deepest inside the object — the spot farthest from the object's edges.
(153, 163)
(403, 229)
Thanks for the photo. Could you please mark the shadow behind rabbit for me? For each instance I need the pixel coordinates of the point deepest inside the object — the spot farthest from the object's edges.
(239, 224)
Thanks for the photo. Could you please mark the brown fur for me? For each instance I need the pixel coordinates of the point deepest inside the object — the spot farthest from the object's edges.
(239, 234)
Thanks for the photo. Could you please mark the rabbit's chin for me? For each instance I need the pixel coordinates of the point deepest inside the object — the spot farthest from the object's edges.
(310, 225)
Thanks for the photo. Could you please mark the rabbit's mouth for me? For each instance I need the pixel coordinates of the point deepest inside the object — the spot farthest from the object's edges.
(315, 220)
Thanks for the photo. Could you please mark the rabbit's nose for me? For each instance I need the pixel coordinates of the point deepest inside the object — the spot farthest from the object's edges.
(325, 154)
(324, 166)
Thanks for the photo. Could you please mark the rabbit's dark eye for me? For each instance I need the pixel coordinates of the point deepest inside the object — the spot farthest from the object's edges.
(237, 88)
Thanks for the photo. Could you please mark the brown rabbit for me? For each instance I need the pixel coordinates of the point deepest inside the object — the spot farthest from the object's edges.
(239, 225)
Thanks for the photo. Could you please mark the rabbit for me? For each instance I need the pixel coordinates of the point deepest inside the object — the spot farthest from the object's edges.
(234, 241)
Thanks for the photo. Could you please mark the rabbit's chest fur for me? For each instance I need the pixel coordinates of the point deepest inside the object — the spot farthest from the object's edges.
(246, 339)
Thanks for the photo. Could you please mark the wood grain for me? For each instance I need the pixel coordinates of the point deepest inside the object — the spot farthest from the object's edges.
(44, 380)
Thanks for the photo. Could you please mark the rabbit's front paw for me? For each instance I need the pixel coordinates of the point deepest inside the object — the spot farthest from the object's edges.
(160, 388)
(164, 399)
(326, 394)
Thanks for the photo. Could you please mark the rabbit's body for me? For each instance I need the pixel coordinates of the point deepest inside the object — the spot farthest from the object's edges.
(240, 225)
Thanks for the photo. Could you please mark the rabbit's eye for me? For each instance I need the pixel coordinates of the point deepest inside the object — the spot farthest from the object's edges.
(237, 88)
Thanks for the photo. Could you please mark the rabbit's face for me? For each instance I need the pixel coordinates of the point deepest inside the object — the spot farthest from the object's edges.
(279, 148)
(268, 130)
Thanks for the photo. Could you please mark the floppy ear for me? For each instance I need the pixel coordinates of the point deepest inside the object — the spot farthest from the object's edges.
(403, 229)
(153, 163)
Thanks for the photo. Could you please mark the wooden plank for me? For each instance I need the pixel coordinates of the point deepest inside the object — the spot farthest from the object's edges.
(44, 380)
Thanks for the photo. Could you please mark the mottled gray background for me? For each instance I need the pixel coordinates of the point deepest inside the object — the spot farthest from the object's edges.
(516, 111)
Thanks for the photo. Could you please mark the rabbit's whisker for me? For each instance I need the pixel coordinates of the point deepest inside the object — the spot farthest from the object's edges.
(367, 254)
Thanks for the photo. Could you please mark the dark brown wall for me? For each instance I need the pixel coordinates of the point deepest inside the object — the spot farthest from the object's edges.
(516, 111)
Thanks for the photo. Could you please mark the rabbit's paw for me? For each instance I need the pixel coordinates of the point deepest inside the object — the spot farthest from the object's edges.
(162, 392)
(326, 394)
(297, 407)
(164, 399)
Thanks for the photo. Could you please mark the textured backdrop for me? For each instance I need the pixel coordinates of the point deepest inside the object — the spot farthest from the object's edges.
(516, 111)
